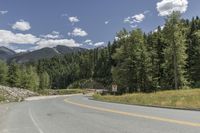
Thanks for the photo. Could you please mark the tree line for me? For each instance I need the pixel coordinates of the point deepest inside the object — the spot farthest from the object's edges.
(23, 76)
(167, 58)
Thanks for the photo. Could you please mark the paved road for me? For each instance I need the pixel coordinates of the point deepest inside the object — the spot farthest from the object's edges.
(78, 114)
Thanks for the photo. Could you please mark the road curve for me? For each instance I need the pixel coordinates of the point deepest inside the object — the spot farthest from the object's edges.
(78, 114)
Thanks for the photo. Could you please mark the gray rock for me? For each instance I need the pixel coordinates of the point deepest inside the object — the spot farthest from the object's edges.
(13, 94)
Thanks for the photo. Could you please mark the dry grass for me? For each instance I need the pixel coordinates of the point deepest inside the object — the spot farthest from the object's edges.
(60, 91)
(180, 99)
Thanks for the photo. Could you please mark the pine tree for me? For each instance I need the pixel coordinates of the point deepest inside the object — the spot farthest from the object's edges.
(44, 81)
(120, 69)
(195, 61)
(102, 69)
(29, 78)
(193, 51)
(132, 63)
(14, 75)
(34, 78)
(156, 46)
(3, 72)
(175, 52)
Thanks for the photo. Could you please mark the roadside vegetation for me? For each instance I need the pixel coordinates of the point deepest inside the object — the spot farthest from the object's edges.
(60, 91)
(86, 83)
(188, 99)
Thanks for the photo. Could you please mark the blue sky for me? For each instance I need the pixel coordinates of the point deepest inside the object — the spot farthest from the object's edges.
(34, 24)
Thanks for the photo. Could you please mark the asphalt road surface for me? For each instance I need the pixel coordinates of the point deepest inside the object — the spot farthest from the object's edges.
(78, 114)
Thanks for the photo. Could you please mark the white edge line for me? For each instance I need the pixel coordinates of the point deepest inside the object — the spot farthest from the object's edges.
(48, 97)
(34, 122)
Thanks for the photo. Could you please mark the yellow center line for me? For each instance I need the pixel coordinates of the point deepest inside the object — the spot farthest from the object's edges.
(187, 123)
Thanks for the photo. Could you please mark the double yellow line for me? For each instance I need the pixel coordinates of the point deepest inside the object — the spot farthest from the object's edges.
(180, 122)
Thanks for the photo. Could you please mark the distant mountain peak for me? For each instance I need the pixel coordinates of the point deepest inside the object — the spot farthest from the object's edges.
(6, 53)
(3, 48)
(44, 53)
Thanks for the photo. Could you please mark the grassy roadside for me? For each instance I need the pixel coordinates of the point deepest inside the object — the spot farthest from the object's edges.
(60, 92)
(189, 99)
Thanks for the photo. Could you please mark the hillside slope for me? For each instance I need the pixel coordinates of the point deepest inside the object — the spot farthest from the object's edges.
(44, 53)
(6, 53)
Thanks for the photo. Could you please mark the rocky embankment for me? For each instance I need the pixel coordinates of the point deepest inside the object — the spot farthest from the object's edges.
(12, 94)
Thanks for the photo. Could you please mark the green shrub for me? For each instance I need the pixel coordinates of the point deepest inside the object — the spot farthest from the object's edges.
(60, 92)
(86, 83)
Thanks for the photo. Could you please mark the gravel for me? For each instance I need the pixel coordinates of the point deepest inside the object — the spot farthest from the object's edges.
(13, 94)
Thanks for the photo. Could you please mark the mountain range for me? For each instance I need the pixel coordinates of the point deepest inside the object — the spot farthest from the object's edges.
(8, 55)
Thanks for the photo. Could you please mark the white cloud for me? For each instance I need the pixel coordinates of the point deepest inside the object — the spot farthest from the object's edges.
(78, 32)
(54, 42)
(55, 32)
(166, 7)
(20, 50)
(138, 18)
(8, 37)
(73, 19)
(134, 26)
(52, 35)
(107, 22)
(128, 20)
(21, 25)
(88, 41)
(91, 44)
(3, 12)
(135, 19)
(99, 44)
